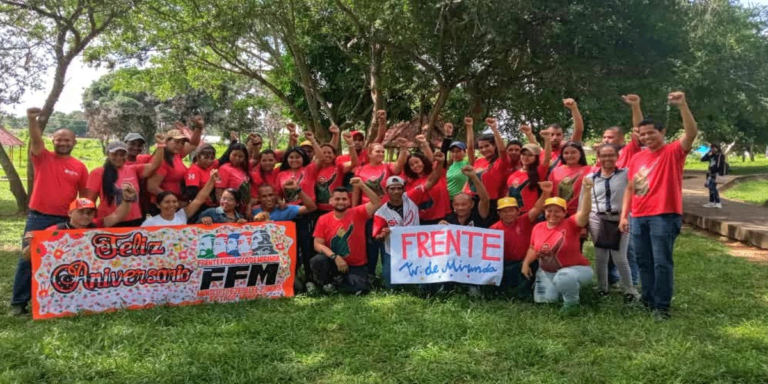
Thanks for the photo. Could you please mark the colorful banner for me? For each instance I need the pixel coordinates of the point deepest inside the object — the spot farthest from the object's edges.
(441, 253)
(102, 270)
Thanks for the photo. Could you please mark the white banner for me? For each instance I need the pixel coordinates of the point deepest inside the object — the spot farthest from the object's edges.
(442, 253)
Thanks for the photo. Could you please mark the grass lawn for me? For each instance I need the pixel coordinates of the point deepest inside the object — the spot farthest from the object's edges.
(738, 167)
(754, 191)
(719, 334)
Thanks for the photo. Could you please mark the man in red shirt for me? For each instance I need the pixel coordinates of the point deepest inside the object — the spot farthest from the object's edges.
(340, 241)
(59, 178)
(556, 133)
(655, 198)
(517, 237)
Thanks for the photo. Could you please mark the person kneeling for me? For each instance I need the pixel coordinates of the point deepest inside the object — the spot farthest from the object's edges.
(340, 241)
(563, 269)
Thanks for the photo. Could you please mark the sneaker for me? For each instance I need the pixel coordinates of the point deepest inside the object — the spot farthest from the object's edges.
(570, 309)
(329, 288)
(718, 205)
(661, 315)
(615, 287)
(602, 294)
(19, 310)
(709, 205)
(311, 288)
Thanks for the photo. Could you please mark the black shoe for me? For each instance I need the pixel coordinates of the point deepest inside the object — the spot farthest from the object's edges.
(19, 310)
(602, 294)
(631, 299)
(661, 315)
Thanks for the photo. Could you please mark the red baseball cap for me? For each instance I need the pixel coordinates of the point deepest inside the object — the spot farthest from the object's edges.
(355, 133)
(81, 203)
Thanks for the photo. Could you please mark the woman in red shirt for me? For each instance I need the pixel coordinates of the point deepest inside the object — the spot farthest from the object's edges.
(436, 203)
(264, 172)
(523, 184)
(328, 173)
(103, 181)
(555, 243)
(493, 166)
(170, 176)
(568, 176)
(234, 173)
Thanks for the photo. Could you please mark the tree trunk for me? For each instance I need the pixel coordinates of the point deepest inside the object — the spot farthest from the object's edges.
(17, 188)
(377, 51)
(751, 152)
(442, 97)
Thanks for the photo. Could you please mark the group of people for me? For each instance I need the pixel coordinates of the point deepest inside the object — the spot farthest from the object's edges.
(542, 194)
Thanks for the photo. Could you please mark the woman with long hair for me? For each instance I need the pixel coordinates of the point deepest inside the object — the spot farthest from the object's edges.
(523, 184)
(435, 204)
(168, 205)
(492, 166)
(103, 181)
(170, 176)
(328, 172)
(234, 173)
(228, 210)
(203, 161)
(568, 176)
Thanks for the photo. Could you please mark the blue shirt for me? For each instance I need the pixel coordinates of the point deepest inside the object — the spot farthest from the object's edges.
(218, 216)
(287, 214)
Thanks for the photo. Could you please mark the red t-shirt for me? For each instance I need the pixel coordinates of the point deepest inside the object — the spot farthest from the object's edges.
(126, 174)
(58, 180)
(326, 180)
(658, 180)
(435, 203)
(306, 182)
(517, 237)
(558, 247)
(553, 159)
(375, 177)
(231, 177)
(492, 175)
(518, 188)
(198, 177)
(140, 159)
(362, 158)
(266, 178)
(173, 175)
(567, 184)
(345, 236)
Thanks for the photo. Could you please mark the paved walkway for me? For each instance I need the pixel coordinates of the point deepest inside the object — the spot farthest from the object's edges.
(740, 221)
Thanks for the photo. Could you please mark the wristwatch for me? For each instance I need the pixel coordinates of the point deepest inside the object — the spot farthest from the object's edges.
(333, 256)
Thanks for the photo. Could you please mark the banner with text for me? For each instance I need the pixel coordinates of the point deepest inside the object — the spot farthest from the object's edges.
(441, 253)
(102, 270)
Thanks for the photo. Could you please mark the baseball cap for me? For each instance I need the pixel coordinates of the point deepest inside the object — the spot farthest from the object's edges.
(81, 203)
(176, 134)
(532, 148)
(355, 133)
(305, 143)
(459, 145)
(506, 202)
(559, 201)
(395, 180)
(134, 136)
(115, 146)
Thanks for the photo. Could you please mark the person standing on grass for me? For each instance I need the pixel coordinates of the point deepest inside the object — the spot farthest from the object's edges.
(655, 199)
(716, 161)
(103, 181)
(340, 241)
(59, 178)
(555, 243)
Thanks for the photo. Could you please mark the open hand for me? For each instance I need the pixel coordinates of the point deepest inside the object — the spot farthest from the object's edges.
(526, 271)
(624, 225)
(341, 265)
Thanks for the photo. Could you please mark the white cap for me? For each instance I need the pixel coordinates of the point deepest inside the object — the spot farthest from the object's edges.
(395, 180)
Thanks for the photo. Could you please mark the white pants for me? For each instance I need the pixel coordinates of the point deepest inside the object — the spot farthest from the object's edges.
(619, 257)
(566, 282)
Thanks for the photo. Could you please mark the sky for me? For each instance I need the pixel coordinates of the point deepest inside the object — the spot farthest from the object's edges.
(80, 76)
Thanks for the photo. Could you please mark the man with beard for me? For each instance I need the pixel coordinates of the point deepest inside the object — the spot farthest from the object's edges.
(271, 210)
(340, 241)
(59, 178)
(136, 155)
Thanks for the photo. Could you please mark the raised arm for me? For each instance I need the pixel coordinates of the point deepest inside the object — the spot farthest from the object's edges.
(130, 196)
(381, 119)
(547, 149)
(437, 171)
(353, 159)
(36, 143)
(582, 215)
(195, 204)
(546, 192)
(197, 134)
(447, 140)
(497, 137)
(484, 205)
(374, 200)
(403, 157)
(469, 125)
(578, 121)
(315, 145)
(335, 142)
(689, 124)
(293, 138)
(634, 101)
(308, 204)
(528, 132)
(424, 144)
(157, 158)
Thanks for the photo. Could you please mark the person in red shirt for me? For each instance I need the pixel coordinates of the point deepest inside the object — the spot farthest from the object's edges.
(234, 173)
(436, 203)
(103, 181)
(492, 166)
(339, 240)
(555, 243)
(203, 162)
(135, 142)
(555, 131)
(59, 178)
(170, 176)
(523, 184)
(329, 174)
(517, 229)
(568, 177)
(264, 172)
(514, 148)
(654, 196)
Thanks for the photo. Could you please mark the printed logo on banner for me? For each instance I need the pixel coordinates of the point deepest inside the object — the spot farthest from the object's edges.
(100, 270)
(442, 253)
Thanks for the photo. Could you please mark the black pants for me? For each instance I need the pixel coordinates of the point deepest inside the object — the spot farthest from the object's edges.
(325, 272)
(305, 226)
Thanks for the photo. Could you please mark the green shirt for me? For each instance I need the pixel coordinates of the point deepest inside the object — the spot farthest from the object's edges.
(455, 179)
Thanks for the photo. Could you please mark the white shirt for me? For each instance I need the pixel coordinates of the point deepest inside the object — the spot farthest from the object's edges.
(393, 219)
(179, 218)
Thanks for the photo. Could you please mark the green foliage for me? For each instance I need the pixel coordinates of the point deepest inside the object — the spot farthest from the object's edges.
(755, 192)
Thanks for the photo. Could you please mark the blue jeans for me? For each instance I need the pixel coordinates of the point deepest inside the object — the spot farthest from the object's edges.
(654, 239)
(22, 283)
(714, 194)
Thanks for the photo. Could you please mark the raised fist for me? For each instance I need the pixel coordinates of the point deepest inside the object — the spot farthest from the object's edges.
(309, 135)
(291, 185)
(198, 121)
(347, 136)
(402, 142)
(424, 129)
(381, 116)
(356, 181)
(631, 99)
(439, 156)
(491, 122)
(676, 98)
(569, 103)
(291, 127)
(215, 174)
(588, 183)
(448, 129)
(468, 170)
(546, 186)
(159, 138)
(468, 121)
(294, 136)
(129, 192)
(33, 113)
(233, 136)
(421, 139)
(334, 130)
(526, 129)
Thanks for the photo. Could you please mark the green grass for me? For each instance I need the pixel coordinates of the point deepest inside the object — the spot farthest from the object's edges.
(738, 167)
(753, 191)
(719, 334)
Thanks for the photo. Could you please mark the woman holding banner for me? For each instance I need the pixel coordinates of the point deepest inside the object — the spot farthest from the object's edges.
(563, 269)
(168, 204)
